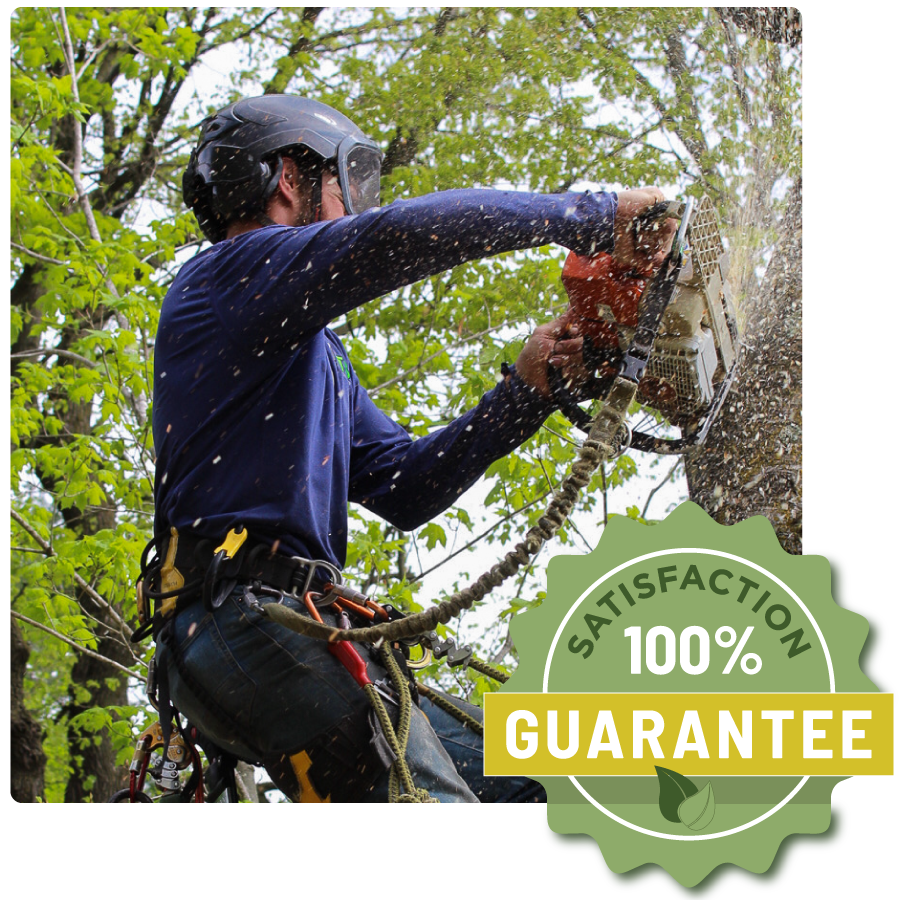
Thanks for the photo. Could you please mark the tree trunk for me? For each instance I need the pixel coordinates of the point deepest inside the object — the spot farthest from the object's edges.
(781, 24)
(26, 753)
(750, 463)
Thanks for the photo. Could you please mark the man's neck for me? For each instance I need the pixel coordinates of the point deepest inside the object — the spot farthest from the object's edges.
(242, 227)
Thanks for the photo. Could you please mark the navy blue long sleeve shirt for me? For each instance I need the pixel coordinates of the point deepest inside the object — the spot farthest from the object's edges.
(258, 416)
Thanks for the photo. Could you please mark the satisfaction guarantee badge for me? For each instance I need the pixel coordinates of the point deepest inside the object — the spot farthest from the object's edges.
(689, 695)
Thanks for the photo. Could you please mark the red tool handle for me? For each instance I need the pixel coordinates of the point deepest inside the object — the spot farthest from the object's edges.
(343, 650)
(352, 661)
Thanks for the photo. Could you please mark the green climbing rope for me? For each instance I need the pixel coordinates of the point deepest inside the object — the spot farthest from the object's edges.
(401, 788)
(489, 670)
(598, 447)
(449, 707)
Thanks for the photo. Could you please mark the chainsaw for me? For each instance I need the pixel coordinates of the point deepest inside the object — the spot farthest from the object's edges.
(675, 334)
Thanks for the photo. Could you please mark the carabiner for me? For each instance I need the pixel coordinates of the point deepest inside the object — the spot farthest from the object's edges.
(311, 566)
(427, 657)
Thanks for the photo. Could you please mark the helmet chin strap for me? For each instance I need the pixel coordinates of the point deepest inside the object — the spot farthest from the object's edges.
(264, 219)
(317, 199)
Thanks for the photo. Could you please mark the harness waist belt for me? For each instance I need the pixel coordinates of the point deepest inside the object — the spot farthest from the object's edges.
(254, 561)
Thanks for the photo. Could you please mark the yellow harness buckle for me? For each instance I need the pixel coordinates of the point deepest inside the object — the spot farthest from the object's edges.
(233, 542)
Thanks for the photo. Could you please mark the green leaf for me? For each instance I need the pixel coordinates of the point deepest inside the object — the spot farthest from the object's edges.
(698, 810)
(434, 535)
(673, 790)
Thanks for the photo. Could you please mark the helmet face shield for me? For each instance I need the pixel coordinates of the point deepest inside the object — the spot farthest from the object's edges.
(359, 173)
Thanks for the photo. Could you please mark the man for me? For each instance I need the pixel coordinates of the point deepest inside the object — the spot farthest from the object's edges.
(262, 428)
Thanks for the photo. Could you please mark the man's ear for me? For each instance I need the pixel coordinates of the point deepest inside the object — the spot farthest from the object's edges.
(287, 183)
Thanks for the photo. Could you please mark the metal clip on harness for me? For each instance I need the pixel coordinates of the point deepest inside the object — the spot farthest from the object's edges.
(213, 596)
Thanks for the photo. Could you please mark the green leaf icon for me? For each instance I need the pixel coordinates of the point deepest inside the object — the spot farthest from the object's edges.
(673, 790)
(698, 810)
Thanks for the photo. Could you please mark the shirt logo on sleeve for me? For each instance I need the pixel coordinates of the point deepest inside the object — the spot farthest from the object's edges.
(344, 366)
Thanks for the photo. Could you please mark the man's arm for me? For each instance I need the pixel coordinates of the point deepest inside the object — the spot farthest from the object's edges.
(408, 482)
(302, 278)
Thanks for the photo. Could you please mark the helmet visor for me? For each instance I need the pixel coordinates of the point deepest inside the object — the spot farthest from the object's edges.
(359, 171)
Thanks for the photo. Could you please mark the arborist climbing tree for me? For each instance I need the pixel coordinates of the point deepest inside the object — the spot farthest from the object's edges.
(263, 434)
(104, 108)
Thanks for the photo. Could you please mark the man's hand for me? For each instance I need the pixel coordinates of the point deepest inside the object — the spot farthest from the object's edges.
(557, 344)
(653, 244)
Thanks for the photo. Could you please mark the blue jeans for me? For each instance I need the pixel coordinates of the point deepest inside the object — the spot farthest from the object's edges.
(280, 699)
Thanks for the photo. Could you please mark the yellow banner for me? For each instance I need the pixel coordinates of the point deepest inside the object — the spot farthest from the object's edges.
(695, 734)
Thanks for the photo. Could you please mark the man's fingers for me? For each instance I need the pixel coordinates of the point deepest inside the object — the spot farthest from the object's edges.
(568, 347)
(555, 328)
(652, 244)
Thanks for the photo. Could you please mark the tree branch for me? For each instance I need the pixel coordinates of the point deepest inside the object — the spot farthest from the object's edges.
(76, 645)
(78, 137)
(781, 24)
(483, 534)
(688, 129)
(280, 80)
(50, 552)
(63, 354)
(659, 486)
(33, 255)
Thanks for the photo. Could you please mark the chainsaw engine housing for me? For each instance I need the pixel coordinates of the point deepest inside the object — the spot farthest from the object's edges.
(696, 349)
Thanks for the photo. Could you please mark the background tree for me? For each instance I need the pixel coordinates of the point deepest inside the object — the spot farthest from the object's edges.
(105, 103)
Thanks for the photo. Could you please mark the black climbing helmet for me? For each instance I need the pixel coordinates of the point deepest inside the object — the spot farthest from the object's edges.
(237, 162)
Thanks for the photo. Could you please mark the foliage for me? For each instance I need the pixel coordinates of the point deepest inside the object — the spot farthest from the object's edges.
(542, 99)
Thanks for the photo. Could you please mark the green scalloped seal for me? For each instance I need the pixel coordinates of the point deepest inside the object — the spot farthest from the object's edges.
(588, 637)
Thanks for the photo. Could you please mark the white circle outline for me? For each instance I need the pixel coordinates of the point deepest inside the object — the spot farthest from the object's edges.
(625, 565)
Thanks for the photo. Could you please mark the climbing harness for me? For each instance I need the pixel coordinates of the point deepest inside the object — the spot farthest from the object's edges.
(670, 342)
(177, 569)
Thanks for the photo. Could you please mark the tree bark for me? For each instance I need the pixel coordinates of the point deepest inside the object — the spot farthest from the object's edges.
(781, 24)
(95, 775)
(26, 753)
(750, 463)
(245, 780)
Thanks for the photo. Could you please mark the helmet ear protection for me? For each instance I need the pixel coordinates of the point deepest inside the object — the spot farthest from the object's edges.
(237, 163)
